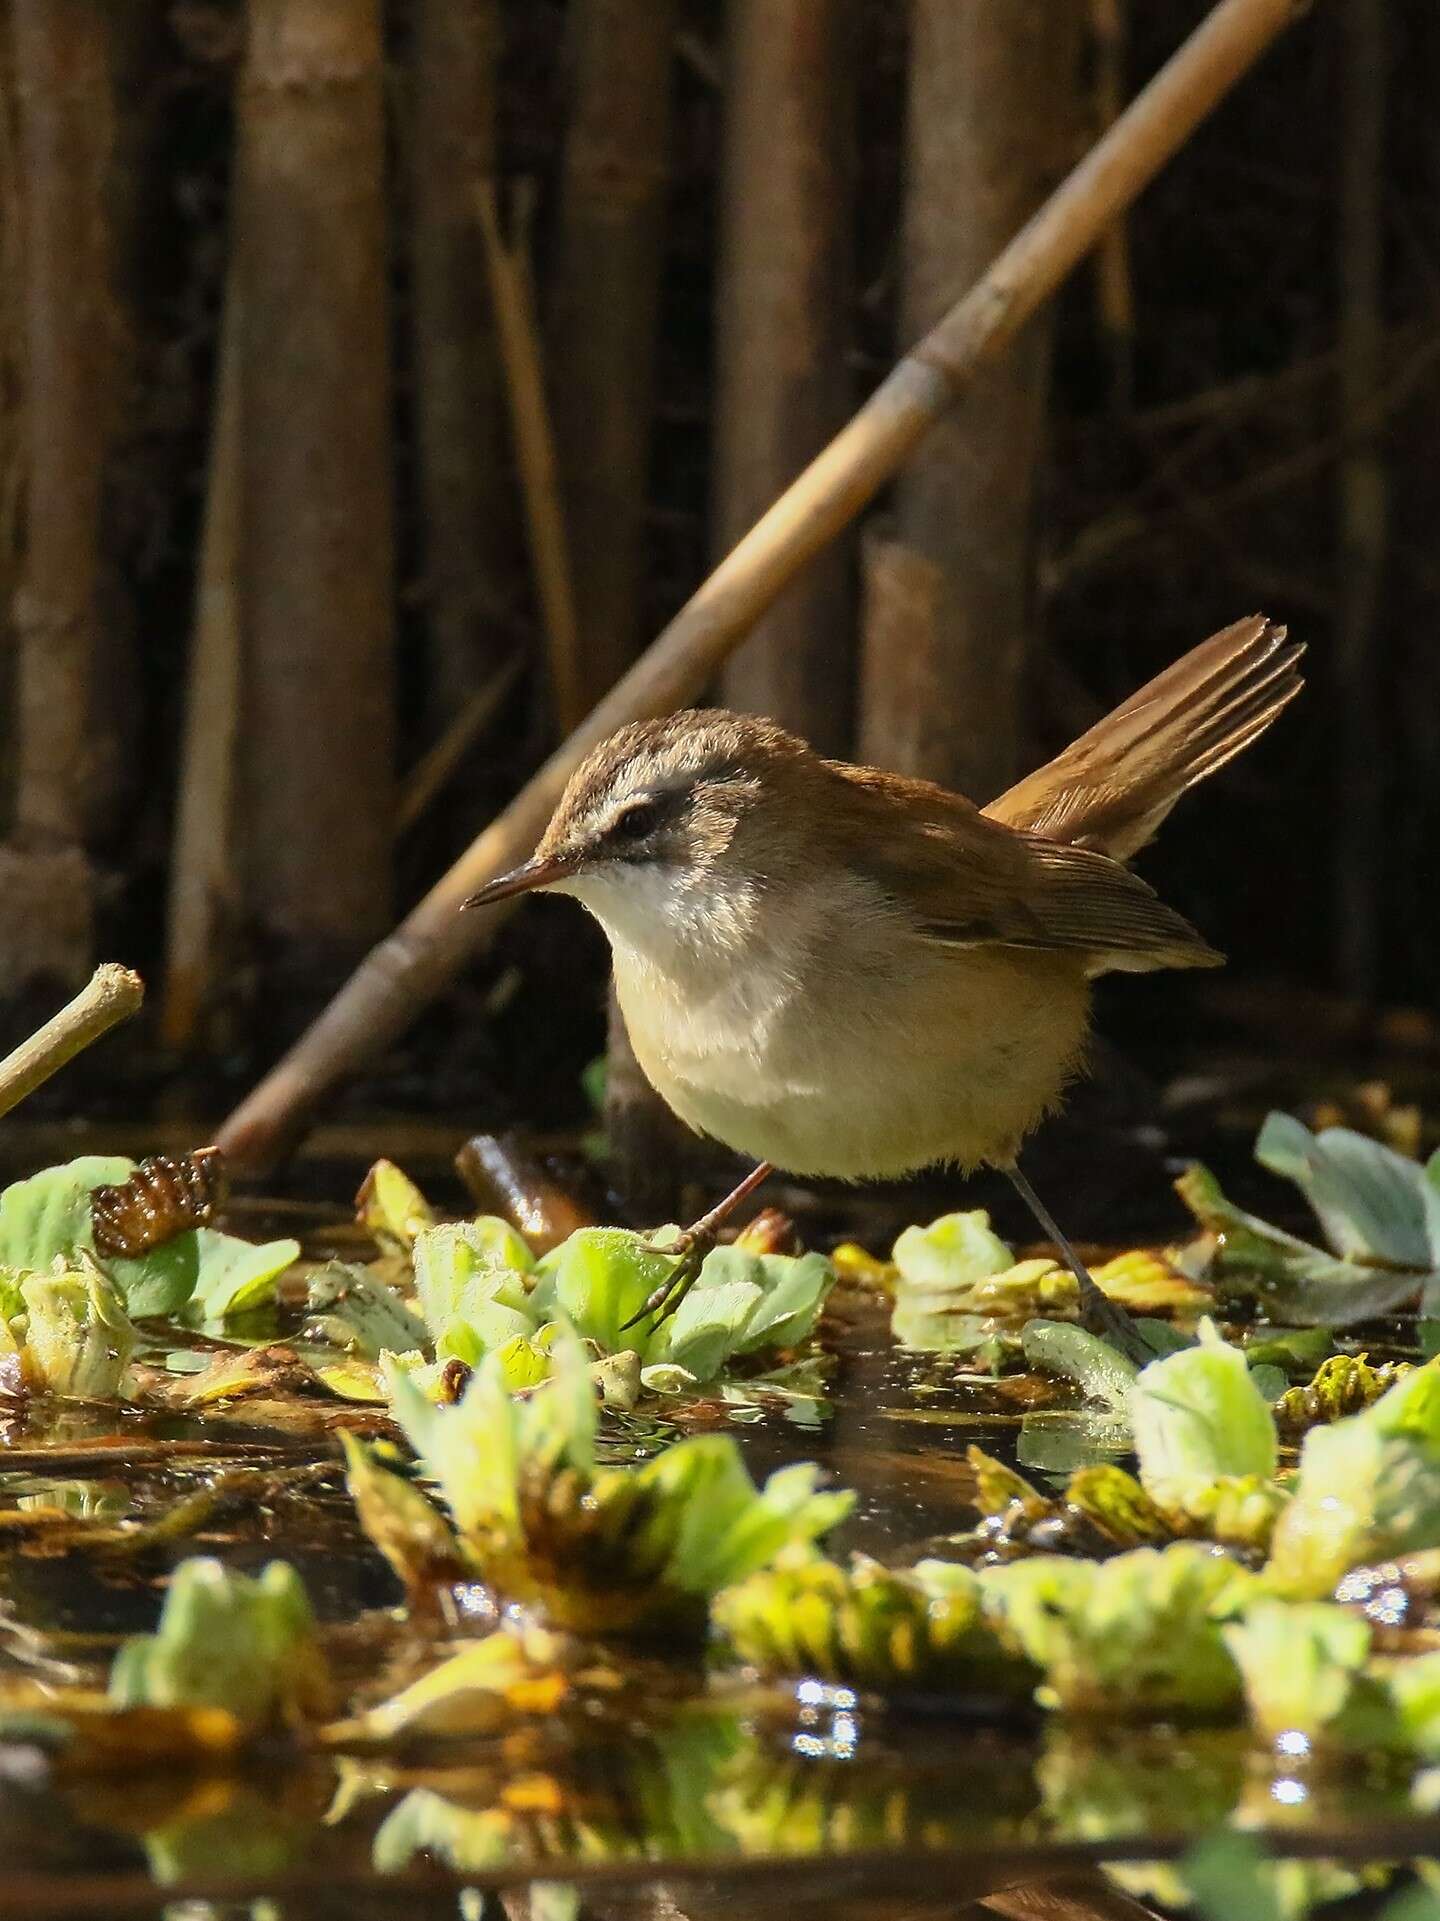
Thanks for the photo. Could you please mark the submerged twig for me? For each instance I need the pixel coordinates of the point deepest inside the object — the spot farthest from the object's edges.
(112, 994)
(119, 1455)
(506, 1179)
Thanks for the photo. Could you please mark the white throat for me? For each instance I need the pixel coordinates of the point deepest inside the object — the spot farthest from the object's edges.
(658, 917)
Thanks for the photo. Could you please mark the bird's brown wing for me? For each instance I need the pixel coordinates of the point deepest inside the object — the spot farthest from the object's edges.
(1113, 787)
(969, 881)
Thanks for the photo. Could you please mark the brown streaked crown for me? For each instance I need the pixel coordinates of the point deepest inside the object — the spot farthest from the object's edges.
(674, 787)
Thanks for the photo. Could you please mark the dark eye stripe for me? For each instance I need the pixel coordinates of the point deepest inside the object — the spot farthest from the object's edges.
(639, 818)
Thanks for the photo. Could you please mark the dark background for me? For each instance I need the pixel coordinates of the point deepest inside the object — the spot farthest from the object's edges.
(1258, 435)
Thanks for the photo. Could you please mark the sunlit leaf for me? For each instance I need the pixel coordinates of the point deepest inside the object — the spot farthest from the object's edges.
(1136, 1636)
(355, 1309)
(1379, 1211)
(869, 1627)
(391, 1208)
(1101, 1371)
(1374, 1204)
(48, 1215)
(601, 1550)
(465, 1269)
(954, 1251)
(235, 1277)
(1198, 1417)
(408, 1529)
(78, 1337)
(1304, 1671)
(1368, 1489)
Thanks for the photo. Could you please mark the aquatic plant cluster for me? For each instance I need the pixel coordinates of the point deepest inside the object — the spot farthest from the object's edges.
(1226, 1583)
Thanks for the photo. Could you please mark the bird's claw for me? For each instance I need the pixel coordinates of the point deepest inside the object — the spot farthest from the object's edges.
(690, 1249)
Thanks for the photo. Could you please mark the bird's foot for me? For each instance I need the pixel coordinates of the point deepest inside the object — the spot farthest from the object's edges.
(689, 1248)
(1108, 1321)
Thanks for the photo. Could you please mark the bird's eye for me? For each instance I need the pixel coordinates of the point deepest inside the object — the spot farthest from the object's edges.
(634, 822)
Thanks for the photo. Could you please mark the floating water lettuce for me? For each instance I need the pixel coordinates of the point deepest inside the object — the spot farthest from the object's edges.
(472, 1287)
(1206, 1442)
(408, 1529)
(391, 1208)
(957, 1284)
(1102, 1373)
(1304, 1669)
(246, 1646)
(1380, 1214)
(480, 1289)
(1116, 1504)
(869, 1627)
(1343, 1384)
(355, 1309)
(75, 1337)
(936, 1268)
(600, 1550)
(1196, 1415)
(1135, 1637)
(742, 1302)
(233, 1277)
(1368, 1489)
(48, 1215)
(1104, 1509)
(45, 1220)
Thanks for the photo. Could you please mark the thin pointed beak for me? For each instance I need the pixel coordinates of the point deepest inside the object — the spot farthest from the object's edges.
(522, 880)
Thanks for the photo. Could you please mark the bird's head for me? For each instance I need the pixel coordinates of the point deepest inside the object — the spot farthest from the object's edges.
(669, 815)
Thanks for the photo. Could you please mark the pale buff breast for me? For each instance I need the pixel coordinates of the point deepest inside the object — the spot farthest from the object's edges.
(860, 1059)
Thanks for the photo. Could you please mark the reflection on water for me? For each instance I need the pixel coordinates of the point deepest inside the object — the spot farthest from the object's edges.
(811, 1783)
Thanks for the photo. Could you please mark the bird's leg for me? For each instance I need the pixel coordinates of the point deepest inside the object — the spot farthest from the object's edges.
(1098, 1313)
(692, 1245)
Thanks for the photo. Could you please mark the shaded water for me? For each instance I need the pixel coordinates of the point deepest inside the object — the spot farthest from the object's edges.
(724, 1794)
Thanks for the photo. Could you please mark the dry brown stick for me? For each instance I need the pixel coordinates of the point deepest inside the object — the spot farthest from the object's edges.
(430, 774)
(200, 867)
(405, 972)
(514, 298)
(112, 994)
